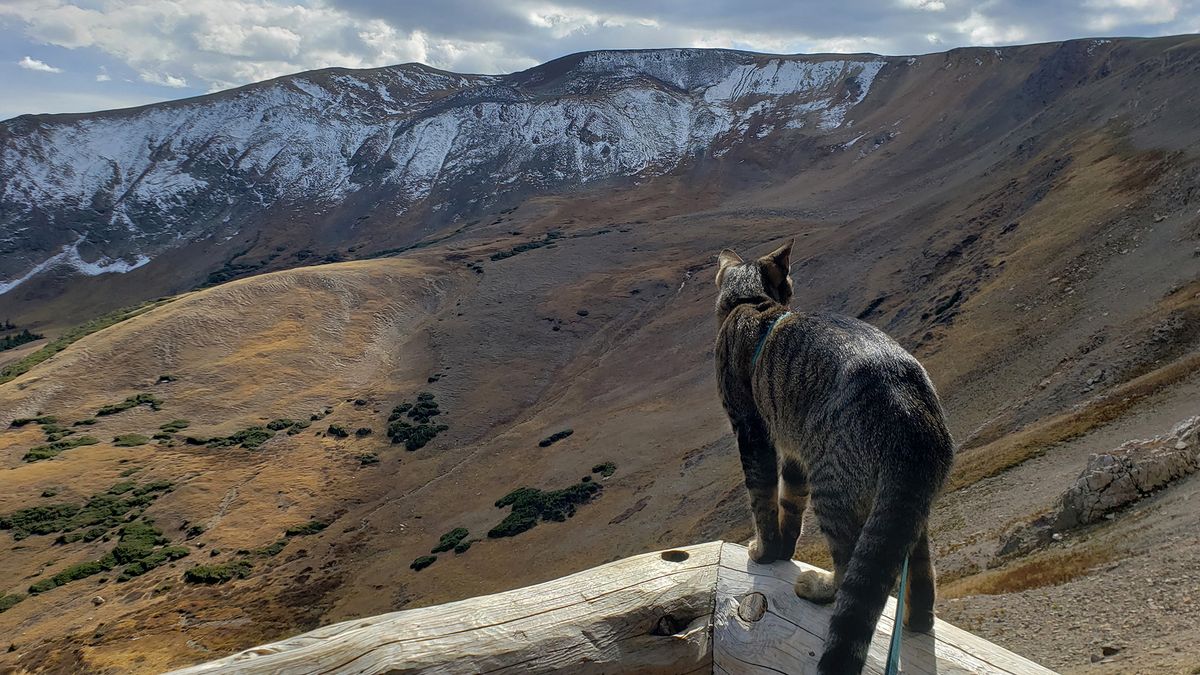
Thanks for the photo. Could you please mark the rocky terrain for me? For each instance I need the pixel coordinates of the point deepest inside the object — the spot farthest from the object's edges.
(271, 443)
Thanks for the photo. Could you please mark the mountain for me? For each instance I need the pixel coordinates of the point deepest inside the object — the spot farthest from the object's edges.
(1024, 219)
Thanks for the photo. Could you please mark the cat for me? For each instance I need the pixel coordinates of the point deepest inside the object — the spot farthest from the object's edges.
(831, 405)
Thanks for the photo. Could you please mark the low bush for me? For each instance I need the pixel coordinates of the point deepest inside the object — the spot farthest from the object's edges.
(63, 341)
(311, 527)
(368, 459)
(53, 449)
(418, 432)
(84, 423)
(451, 539)
(174, 426)
(530, 504)
(42, 419)
(462, 546)
(606, 469)
(130, 440)
(151, 400)
(555, 437)
(362, 432)
(218, 574)
(338, 431)
(9, 601)
(17, 339)
(249, 438)
(106, 510)
(423, 562)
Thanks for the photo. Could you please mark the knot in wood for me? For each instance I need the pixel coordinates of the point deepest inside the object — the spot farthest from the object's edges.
(752, 606)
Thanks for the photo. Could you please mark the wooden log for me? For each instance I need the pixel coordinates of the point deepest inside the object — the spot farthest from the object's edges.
(699, 609)
(650, 613)
(790, 635)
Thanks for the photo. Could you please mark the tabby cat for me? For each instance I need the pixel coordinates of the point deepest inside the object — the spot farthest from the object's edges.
(833, 407)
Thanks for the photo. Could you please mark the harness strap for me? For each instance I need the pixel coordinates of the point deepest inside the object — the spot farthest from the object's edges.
(893, 658)
(763, 340)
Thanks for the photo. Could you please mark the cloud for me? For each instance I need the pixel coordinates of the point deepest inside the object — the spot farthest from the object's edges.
(206, 45)
(103, 76)
(29, 63)
(162, 79)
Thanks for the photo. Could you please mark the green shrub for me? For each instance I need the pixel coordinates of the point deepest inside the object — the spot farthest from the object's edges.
(18, 368)
(105, 510)
(423, 562)
(10, 600)
(49, 492)
(84, 423)
(43, 419)
(151, 400)
(162, 379)
(218, 574)
(555, 437)
(130, 440)
(194, 531)
(530, 504)
(368, 459)
(606, 469)
(17, 339)
(53, 449)
(451, 539)
(280, 424)
(152, 560)
(311, 527)
(174, 426)
(337, 430)
(74, 573)
(462, 547)
(418, 432)
(272, 550)
(249, 438)
(362, 431)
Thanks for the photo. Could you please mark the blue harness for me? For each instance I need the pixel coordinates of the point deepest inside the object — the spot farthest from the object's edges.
(763, 340)
(893, 658)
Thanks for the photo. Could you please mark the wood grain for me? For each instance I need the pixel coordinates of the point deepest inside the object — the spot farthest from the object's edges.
(677, 611)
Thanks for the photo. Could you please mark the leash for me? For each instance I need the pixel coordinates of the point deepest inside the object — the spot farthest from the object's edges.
(893, 658)
(762, 341)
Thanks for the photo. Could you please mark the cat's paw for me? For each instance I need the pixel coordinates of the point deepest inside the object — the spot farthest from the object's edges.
(816, 586)
(763, 552)
(921, 622)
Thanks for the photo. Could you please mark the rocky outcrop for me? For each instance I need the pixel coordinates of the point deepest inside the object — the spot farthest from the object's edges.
(1111, 481)
(1126, 474)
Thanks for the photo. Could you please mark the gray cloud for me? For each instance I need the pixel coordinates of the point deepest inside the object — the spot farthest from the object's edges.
(203, 45)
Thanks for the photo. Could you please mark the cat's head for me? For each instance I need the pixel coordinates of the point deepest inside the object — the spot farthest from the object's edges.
(739, 281)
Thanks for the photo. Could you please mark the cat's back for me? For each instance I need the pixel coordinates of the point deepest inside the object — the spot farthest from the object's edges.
(849, 351)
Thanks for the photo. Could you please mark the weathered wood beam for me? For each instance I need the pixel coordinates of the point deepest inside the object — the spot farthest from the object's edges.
(697, 609)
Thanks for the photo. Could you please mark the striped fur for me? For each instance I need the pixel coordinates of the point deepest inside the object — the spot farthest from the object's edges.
(836, 410)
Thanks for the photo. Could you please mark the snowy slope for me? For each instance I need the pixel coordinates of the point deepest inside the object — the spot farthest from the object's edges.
(107, 192)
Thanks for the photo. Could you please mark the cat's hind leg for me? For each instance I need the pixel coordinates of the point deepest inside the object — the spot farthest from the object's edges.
(841, 527)
(920, 593)
(793, 499)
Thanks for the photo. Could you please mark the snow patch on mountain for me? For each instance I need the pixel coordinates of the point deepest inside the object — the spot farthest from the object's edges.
(316, 138)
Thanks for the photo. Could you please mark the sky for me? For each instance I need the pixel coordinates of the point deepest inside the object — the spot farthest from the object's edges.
(59, 56)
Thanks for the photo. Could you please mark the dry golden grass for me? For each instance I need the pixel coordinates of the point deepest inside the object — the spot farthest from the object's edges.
(1049, 568)
(989, 460)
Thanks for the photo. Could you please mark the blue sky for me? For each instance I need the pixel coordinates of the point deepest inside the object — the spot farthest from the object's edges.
(58, 56)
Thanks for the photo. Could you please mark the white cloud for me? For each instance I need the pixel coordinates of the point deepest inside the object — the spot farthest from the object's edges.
(162, 79)
(103, 76)
(927, 5)
(29, 63)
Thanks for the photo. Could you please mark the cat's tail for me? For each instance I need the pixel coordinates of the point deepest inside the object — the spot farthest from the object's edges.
(896, 521)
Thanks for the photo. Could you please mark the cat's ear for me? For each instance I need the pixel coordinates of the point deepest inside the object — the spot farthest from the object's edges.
(776, 278)
(780, 258)
(727, 258)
